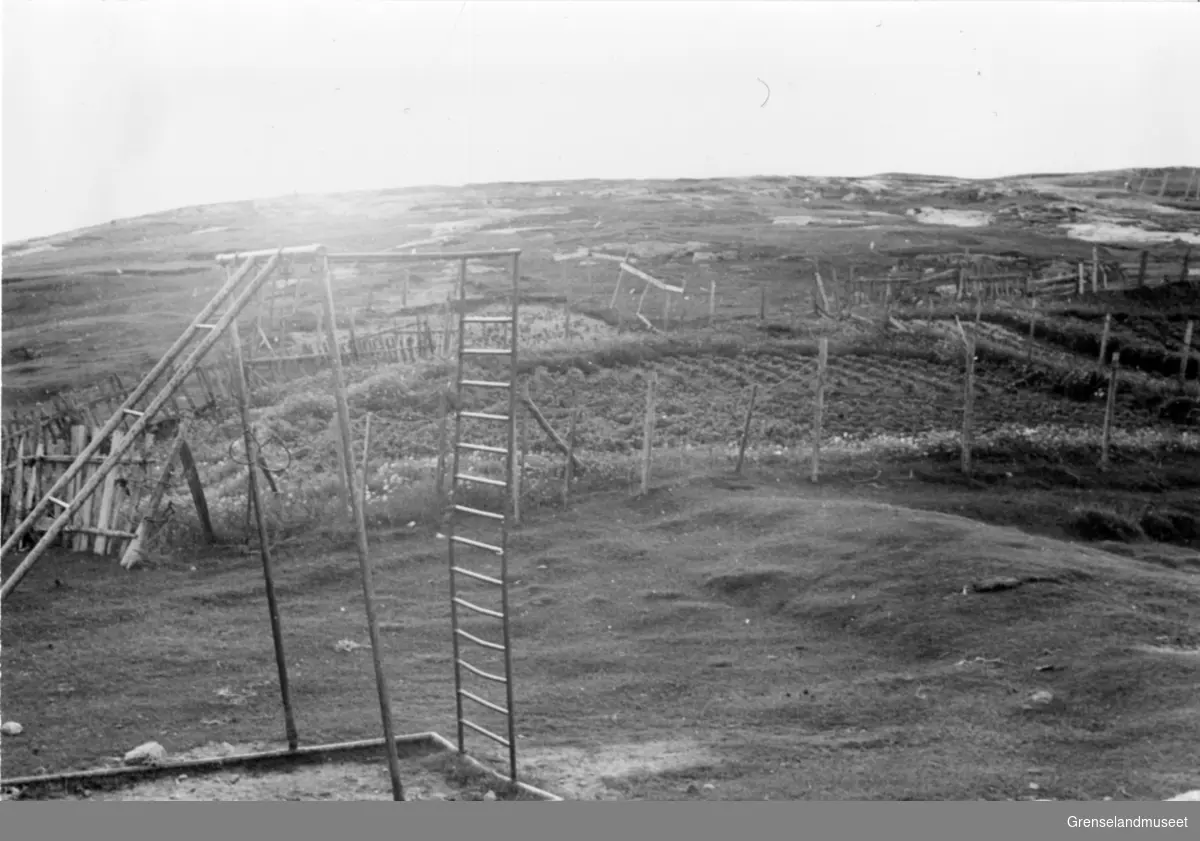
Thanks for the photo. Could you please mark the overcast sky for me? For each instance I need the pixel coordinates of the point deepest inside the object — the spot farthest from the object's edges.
(119, 109)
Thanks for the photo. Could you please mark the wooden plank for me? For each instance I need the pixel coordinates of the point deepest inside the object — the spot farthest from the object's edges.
(16, 497)
(197, 489)
(650, 279)
(106, 501)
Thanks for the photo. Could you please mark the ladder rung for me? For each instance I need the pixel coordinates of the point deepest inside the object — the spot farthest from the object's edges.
(494, 646)
(483, 480)
(478, 576)
(466, 541)
(483, 416)
(495, 614)
(488, 319)
(481, 672)
(134, 412)
(485, 732)
(206, 327)
(486, 351)
(486, 384)
(483, 448)
(483, 702)
(477, 513)
(59, 502)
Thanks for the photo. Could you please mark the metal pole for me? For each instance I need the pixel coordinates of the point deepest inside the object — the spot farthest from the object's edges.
(512, 442)
(339, 379)
(458, 401)
(263, 546)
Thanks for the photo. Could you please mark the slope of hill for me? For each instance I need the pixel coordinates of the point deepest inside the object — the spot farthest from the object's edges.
(897, 631)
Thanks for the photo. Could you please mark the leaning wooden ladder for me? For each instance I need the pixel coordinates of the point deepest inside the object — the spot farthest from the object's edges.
(490, 528)
(207, 324)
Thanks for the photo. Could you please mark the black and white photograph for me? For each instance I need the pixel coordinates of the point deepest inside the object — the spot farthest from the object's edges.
(623, 400)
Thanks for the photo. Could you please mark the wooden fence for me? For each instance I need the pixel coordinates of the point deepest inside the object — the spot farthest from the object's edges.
(35, 460)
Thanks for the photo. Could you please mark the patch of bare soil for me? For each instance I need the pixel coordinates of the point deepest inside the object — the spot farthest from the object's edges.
(588, 774)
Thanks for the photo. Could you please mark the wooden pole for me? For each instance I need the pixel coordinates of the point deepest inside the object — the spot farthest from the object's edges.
(568, 473)
(343, 405)
(1185, 351)
(264, 547)
(1032, 325)
(443, 424)
(523, 450)
(968, 404)
(746, 429)
(197, 490)
(550, 433)
(1141, 278)
(1095, 270)
(762, 304)
(612, 304)
(1109, 407)
(1184, 269)
(648, 431)
(1081, 287)
(712, 300)
(1104, 338)
(819, 407)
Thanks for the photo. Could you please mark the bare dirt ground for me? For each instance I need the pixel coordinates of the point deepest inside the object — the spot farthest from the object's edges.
(896, 632)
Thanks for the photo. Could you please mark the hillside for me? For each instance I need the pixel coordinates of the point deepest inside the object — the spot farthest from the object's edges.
(896, 631)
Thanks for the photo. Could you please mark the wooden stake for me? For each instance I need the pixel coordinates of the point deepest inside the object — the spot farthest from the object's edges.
(1185, 352)
(568, 473)
(550, 433)
(1109, 407)
(968, 406)
(746, 429)
(762, 304)
(1104, 338)
(1032, 325)
(612, 304)
(79, 437)
(1141, 278)
(648, 431)
(712, 300)
(1081, 289)
(1095, 270)
(819, 407)
(443, 425)
(523, 450)
(1185, 270)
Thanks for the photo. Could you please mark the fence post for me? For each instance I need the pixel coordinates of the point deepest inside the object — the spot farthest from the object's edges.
(762, 304)
(648, 431)
(746, 429)
(1185, 351)
(1104, 338)
(968, 404)
(712, 300)
(1185, 270)
(1141, 279)
(568, 468)
(819, 407)
(1032, 324)
(1109, 407)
